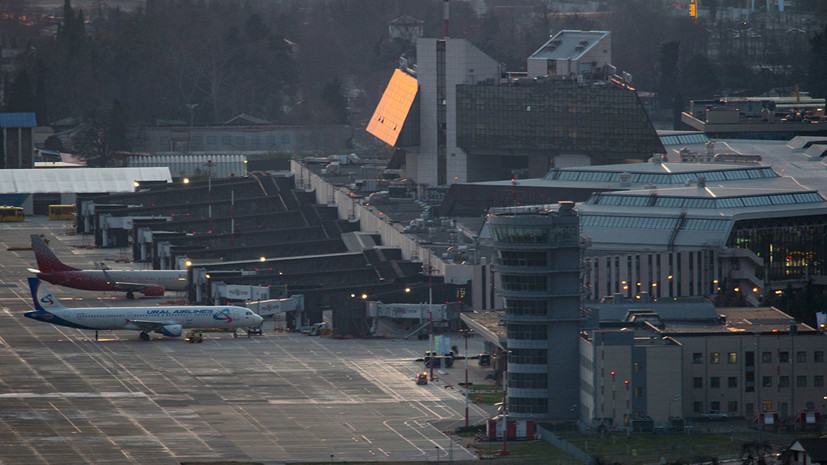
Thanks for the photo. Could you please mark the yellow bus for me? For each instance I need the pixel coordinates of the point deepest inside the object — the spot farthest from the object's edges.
(11, 213)
(61, 212)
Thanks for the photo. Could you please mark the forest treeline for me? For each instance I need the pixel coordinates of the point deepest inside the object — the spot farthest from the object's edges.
(294, 62)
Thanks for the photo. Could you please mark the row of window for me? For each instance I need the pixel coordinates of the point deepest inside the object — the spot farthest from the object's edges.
(645, 222)
(528, 380)
(766, 381)
(661, 178)
(534, 332)
(694, 202)
(517, 307)
(535, 234)
(766, 357)
(684, 139)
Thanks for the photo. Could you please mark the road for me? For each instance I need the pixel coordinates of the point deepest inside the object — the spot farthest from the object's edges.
(280, 397)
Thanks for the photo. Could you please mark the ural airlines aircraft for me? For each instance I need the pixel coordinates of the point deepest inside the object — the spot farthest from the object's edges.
(147, 282)
(169, 321)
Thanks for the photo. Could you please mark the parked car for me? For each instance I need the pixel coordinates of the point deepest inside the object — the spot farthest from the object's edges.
(484, 360)
(714, 415)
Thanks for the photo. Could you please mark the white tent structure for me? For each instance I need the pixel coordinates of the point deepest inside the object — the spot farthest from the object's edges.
(19, 187)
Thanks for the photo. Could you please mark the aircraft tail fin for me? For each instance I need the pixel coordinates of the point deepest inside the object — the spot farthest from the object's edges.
(47, 261)
(43, 299)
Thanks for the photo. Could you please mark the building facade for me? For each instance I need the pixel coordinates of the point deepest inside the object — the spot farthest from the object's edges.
(17, 140)
(538, 259)
(477, 123)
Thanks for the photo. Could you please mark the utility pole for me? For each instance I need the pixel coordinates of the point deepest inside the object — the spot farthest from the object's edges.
(209, 164)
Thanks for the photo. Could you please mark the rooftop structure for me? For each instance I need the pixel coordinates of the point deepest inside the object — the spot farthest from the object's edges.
(779, 118)
(571, 53)
(466, 121)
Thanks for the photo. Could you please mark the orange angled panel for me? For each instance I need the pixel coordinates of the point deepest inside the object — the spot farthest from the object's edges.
(386, 122)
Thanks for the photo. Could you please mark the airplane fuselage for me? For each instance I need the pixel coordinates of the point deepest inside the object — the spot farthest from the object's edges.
(228, 317)
(107, 280)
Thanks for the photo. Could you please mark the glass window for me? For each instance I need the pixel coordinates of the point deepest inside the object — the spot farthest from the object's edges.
(801, 357)
(732, 357)
(715, 357)
(638, 367)
(783, 381)
(526, 331)
(697, 357)
(638, 392)
(732, 406)
(801, 381)
(697, 382)
(766, 357)
(528, 380)
(766, 381)
(697, 407)
(732, 382)
(715, 406)
(818, 356)
(714, 382)
(783, 357)
(818, 380)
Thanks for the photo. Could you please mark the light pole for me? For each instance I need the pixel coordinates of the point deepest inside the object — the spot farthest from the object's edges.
(192, 107)
(466, 334)
(209, 164)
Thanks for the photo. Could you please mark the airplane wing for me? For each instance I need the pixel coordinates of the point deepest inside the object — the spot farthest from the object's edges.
(144, 325)
(132, 287)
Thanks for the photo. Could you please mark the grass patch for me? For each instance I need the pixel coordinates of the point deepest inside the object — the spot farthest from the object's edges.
(647, 448)
(481, 387)
(489, 398)
(527, 452)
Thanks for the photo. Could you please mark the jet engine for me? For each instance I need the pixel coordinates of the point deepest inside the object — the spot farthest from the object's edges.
(171, 330)
(153, 291)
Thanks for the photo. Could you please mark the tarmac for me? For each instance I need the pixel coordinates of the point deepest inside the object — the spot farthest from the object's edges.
(280, 397)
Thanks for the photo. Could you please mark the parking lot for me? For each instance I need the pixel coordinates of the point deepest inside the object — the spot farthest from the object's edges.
(275, 398)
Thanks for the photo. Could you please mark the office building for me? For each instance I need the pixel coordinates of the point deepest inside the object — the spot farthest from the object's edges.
(467, 120)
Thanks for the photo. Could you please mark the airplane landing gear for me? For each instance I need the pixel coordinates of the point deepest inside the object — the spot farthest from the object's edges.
(130, 295)
(144, 335)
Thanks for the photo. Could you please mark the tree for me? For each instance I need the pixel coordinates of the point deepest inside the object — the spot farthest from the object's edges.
(334, 98)
(755, 452)
(92, 144)
(668, 68)
(21, 95)
(817, 67)
(700, 78)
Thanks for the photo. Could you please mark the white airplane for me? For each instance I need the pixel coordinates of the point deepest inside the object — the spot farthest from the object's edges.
(169, 321)
(147, 282)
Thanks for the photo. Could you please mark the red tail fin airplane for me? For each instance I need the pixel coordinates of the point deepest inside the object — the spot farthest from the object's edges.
(147, 282)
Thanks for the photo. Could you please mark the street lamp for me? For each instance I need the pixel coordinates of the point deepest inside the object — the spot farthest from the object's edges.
(466, 333)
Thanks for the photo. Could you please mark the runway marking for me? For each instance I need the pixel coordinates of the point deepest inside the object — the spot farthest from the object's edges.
(65, 418)
(74, 395)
